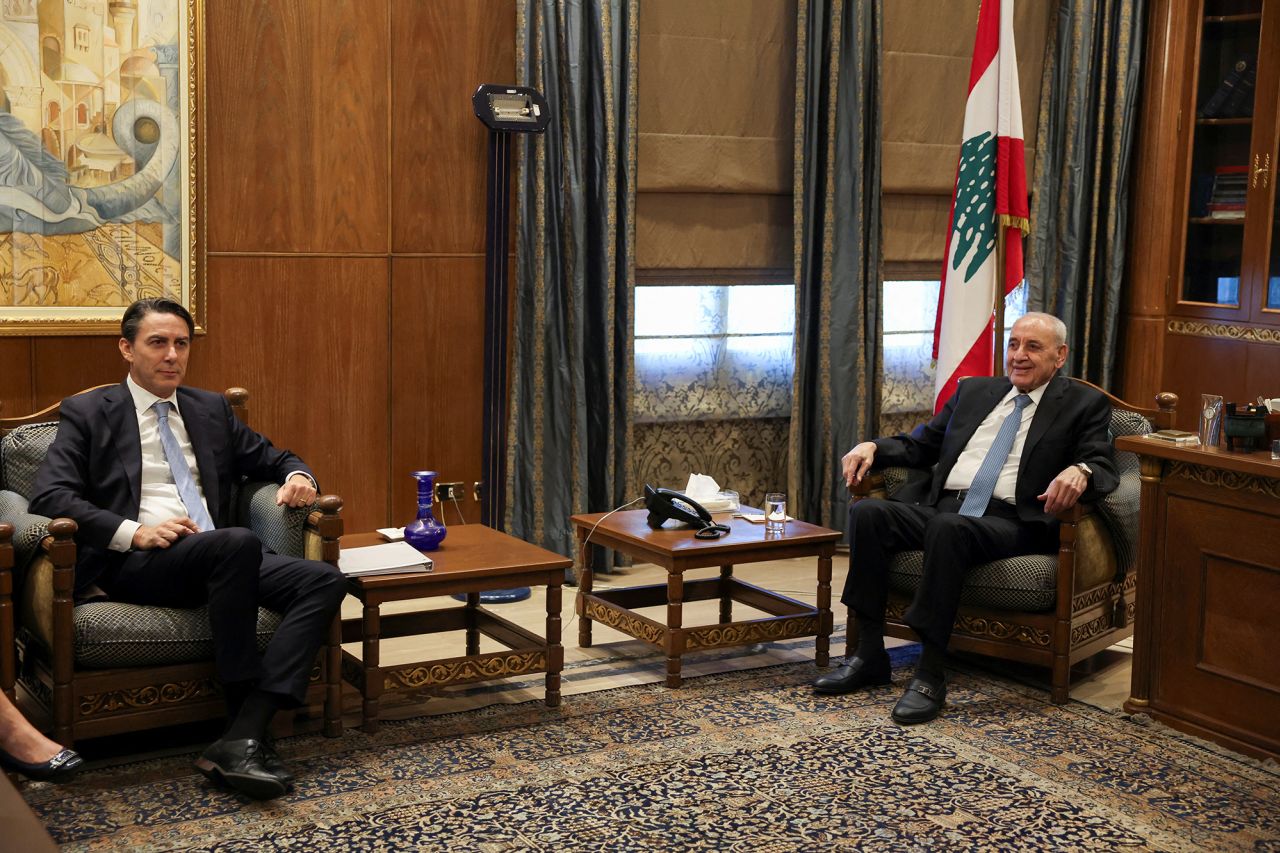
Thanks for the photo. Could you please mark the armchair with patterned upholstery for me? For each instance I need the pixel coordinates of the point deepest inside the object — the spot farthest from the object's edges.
(100, 667)
(1050, 610)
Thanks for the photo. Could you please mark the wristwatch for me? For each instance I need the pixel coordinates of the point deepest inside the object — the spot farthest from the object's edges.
(1084, 469)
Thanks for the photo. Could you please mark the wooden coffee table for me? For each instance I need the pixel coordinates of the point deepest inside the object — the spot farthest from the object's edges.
(677, 551)
(472, 559)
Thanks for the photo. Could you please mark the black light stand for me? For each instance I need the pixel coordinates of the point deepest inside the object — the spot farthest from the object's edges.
(504, 110)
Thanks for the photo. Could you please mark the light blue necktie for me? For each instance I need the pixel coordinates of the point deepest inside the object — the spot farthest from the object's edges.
(984, 482)
(181, 472)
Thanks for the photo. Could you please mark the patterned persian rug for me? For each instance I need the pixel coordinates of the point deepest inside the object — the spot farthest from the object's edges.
(736, 761)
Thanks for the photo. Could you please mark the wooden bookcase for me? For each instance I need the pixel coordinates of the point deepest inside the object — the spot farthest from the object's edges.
(1204, 265)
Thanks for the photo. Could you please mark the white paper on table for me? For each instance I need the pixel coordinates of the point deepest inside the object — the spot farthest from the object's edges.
(388, 558)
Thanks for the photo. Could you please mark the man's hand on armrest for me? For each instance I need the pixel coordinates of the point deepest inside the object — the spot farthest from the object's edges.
(298, 490)
(1064, 491)
(857, 462)
(163, 534)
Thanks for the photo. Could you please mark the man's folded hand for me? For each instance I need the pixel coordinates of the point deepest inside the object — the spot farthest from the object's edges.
(857, 462)
(163, 534)
(298, 490)
(1064, 491)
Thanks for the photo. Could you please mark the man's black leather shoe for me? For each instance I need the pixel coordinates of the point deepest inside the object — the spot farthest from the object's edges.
(238, 765)
(921, 703)
(275, 764)
(855, 675)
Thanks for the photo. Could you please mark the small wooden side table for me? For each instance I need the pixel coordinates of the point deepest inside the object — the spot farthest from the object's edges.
(677, 551)
(472, 559)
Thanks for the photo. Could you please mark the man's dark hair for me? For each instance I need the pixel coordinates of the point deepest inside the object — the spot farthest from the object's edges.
(134, 313)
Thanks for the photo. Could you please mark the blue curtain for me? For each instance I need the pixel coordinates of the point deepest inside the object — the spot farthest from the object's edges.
(571, 349)
(1080, 190)
(837, 226)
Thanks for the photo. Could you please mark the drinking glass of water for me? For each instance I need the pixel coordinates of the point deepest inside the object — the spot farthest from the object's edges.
(775, 512)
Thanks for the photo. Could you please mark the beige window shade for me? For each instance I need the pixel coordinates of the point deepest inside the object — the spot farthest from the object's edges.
(709, 230)
(928, 48)
(716, 92)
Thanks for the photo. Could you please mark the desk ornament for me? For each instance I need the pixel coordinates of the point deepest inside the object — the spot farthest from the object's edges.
(424, 532)
(1210, 432)
(1245, 426)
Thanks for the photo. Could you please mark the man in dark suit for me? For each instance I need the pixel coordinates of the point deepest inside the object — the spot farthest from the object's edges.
(1008, 454)
(147, 468)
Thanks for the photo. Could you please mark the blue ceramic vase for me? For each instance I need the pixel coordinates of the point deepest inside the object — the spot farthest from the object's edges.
(424, 532)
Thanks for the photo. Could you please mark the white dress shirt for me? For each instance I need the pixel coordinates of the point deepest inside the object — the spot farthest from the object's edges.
(160, 498)
(966, 467)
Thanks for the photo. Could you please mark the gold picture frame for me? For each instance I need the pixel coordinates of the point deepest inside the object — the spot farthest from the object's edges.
(101, 175)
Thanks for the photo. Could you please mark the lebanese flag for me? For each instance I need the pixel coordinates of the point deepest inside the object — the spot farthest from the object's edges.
(991, 193)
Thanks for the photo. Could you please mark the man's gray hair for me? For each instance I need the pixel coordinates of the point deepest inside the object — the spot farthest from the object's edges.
(1058, 327)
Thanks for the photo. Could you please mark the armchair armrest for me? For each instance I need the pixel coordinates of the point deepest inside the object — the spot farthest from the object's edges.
(323, 529)
(870, 485)
(288, 530)
(1086, 551)
(48, 592)
(1076, 513)
(7, 671)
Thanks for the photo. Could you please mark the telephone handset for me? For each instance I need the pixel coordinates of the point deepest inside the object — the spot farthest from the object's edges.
(667, 503)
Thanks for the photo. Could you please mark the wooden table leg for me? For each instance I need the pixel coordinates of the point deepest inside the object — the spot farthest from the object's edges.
(555, 654)
(473, 625)
(372, 670)
(726, 594)
(675, 620)
(585, 579)
(822, 643)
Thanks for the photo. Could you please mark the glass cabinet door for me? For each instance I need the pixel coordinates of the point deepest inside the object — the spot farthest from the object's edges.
(1220, 161)
(1271, 298)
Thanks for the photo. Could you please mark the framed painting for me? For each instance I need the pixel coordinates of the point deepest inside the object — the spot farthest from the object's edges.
(99, 120)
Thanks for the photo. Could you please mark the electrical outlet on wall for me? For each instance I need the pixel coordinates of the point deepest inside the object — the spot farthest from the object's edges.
(449, 491)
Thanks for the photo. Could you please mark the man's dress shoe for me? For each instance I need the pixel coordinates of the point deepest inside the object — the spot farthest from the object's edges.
(921, 703)
(58, 769)
(275, 765)
(855, 675)
(238, 764)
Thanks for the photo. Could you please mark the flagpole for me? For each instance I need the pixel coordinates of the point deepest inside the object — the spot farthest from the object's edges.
(997, 355)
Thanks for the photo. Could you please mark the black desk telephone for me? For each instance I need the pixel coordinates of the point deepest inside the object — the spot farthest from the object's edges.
(666, 503)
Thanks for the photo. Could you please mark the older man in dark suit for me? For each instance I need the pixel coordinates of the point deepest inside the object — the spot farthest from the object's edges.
(1008, 454)
(147, 469)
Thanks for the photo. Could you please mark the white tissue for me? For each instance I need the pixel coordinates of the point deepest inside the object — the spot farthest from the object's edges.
(706, 491)
(701, 486)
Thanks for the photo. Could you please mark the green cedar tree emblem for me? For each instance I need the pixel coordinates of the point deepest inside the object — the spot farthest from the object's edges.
(973, 227)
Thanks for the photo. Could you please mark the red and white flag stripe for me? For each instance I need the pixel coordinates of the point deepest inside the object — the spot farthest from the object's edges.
(991, 193)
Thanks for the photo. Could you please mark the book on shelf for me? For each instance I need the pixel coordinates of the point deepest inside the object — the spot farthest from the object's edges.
(1227, 193)
(1233, 98)
(1174, 436)
(391, 558)
(1240, 102)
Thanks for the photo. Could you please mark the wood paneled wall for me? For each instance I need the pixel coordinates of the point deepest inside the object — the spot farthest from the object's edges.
(344, 208)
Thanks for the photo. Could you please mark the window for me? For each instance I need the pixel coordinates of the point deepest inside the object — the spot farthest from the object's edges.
(908, 312)
(713, 348)
(80, 35)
